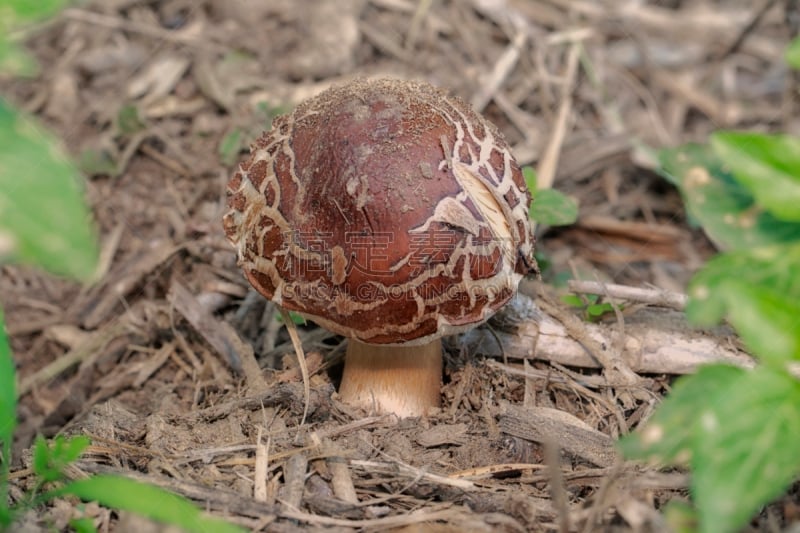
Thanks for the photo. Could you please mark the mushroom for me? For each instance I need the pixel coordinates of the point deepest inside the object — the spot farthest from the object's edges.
(391, 213)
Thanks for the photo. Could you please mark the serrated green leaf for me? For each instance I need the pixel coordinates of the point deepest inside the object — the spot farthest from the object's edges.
(767, 165)
(793, 54)
(758, 291)
(725, 209)
(553, 208)
(746, 449)
(43, 218)
(739, 431)
(146, 500)
(668, 435)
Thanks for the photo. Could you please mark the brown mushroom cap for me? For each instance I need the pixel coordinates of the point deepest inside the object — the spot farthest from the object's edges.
(387, 211)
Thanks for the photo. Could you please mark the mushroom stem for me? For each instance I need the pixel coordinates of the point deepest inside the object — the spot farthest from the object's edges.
(404, 380)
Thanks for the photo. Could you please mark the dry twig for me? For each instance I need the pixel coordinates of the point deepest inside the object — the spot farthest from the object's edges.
(655, 296)
(301, 360)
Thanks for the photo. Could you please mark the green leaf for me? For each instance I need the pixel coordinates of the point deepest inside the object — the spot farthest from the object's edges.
(67, 450)
(229, 147)
(129, 121)
(529, 174)
(50, 459)
(43, 218)
(13, 59)
(680, 517)
(768, 165)
(573, 300)
(269, 112)
(41, 460)
(598, 310)
(717, 201)
(739, 431)
(546, 264)
(8, 419)
(16, 12)
(16, 61)
(97, 163)
(6, 515)
(82, 525)
(668, 437)
(146, 500)
(746, 450)
(793, 54)
(758, 291)
(553, 208)
(298, 319)
(8, 389)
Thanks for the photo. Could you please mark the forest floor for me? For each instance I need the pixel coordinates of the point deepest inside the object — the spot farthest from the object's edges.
(159, 100)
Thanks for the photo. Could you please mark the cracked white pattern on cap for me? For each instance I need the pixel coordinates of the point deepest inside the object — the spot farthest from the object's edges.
(386, 211)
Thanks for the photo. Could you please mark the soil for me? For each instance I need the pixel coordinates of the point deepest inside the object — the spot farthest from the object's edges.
(184, 377)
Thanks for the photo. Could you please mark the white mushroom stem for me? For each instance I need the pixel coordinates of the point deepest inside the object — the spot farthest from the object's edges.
(404, 380)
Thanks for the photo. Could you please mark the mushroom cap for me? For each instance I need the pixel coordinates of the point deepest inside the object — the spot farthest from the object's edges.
(384, 210)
